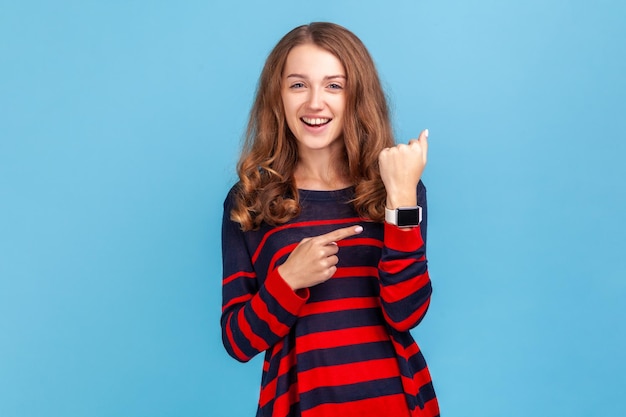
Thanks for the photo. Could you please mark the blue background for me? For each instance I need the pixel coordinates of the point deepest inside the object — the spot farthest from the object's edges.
(120, 125)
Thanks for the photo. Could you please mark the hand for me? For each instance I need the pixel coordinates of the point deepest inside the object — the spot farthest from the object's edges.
(401, 168)
(313, 260)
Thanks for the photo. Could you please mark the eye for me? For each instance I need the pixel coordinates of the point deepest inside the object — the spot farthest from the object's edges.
(335, 86)
(297, 85)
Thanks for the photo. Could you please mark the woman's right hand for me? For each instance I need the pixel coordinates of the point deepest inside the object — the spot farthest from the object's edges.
(314, 260)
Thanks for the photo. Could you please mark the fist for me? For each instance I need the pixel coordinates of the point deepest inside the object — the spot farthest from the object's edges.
(401, 168)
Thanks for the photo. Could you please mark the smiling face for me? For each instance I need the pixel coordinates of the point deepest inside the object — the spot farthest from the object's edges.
(314, 98)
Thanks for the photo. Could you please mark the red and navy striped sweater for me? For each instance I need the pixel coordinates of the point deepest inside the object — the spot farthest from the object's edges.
(343, 347)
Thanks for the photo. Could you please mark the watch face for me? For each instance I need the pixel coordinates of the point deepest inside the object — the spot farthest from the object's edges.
(408, 217)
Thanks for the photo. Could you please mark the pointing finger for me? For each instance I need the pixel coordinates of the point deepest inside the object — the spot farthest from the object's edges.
(339, 234)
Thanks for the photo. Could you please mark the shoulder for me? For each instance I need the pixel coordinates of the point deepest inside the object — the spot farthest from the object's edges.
(229, 201)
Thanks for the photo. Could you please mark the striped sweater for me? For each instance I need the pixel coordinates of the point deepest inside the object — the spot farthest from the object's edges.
(340, 348)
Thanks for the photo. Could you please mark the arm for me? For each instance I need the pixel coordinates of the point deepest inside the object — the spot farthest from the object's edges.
(405, 286)
(254, 317)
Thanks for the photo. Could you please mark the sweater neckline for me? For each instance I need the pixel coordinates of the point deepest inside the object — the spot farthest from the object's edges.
(327, 195)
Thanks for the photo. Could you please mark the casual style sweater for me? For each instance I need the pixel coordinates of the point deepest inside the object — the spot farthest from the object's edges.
(343, 347)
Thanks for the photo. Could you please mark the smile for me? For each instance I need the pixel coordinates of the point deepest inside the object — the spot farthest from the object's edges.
(315, 121)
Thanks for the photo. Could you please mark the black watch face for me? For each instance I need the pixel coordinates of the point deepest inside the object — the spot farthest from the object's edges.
(408, 217)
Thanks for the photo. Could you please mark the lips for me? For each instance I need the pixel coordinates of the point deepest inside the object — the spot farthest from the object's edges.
(315, 121)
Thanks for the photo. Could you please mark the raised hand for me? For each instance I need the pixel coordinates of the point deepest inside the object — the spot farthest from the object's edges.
(314, 260)
(401, 168)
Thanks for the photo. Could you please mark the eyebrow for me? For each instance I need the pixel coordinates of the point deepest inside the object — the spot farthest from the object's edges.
(328, 77)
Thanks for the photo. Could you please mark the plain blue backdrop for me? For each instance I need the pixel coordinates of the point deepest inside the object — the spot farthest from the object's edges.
(120, 126)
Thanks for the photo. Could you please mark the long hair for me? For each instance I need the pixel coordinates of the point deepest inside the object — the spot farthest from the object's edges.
(267, 191)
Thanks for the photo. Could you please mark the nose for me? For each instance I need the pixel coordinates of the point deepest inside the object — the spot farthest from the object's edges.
(315, 99)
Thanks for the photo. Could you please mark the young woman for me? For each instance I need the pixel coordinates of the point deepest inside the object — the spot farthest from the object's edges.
(323, 239)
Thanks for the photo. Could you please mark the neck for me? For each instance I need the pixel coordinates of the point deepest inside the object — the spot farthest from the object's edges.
(321, 172)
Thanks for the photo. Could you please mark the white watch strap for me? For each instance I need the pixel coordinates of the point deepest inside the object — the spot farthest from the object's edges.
(391, 216)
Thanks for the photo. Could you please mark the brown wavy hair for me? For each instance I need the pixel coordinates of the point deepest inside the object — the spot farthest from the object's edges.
(266, 191)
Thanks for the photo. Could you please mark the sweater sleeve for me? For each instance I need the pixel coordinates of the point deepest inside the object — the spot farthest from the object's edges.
(405, 286)
(254, 316)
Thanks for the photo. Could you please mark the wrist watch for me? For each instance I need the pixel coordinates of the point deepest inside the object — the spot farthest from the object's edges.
(404, 216)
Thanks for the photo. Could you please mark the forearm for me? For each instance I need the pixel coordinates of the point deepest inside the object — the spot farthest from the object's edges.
(251, 323)
(405, 286)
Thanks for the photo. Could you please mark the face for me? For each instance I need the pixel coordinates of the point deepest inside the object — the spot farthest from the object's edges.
(314, 98)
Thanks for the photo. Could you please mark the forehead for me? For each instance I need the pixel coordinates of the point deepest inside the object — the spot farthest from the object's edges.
(312, 61)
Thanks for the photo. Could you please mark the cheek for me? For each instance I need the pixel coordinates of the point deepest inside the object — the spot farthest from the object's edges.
(290, 114)
(340, 105)
(285, 100)
(290, 108)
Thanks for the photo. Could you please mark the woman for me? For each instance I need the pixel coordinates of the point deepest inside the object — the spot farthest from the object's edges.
(323, 249)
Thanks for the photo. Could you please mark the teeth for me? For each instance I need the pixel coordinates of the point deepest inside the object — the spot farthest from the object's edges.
(315, 121)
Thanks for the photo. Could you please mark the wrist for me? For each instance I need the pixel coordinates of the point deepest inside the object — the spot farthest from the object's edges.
(401, 200)
(285, 276)
(404, 217)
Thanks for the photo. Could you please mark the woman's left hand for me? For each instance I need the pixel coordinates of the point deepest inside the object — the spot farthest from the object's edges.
(401, 168)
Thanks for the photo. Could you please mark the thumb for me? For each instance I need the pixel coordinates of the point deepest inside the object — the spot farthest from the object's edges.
(423, 138)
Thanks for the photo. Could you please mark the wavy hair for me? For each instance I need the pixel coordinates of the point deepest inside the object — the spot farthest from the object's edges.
(266, 191)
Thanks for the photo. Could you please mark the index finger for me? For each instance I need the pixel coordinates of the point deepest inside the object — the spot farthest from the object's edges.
(339, 234)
